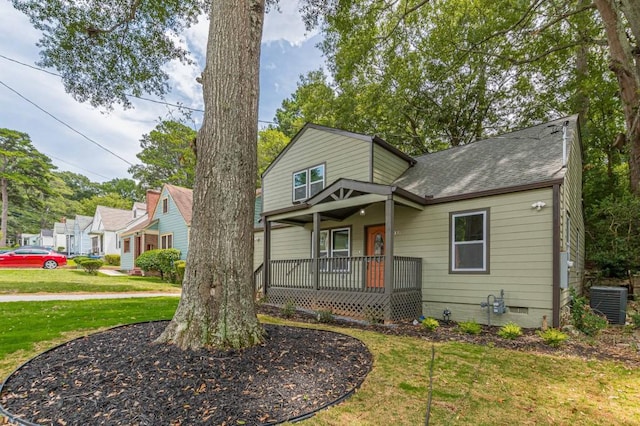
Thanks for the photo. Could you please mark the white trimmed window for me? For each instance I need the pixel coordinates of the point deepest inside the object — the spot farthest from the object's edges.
(469, 241)
(308, 182)
(166, 241)
(165, 205)
(334, 243)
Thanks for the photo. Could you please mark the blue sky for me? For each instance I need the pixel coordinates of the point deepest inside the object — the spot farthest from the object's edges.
(287, 52)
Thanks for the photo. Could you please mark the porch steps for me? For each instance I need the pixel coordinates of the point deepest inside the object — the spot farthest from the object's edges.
(136, 272)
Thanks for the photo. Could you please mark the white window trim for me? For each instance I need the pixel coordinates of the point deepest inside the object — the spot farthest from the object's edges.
(163, 201)
(308, 183)
(163, 236)
(454, 244)
(329, 248)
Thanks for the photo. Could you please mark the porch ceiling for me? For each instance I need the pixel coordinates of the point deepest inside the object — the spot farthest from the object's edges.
(343, 199)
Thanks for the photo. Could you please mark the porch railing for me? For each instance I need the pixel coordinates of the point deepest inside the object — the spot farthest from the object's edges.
(357, 274)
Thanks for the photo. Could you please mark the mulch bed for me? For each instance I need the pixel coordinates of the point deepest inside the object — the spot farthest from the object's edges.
(120, 377)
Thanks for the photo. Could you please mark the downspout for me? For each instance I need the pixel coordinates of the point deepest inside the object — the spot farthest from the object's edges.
(556, 256)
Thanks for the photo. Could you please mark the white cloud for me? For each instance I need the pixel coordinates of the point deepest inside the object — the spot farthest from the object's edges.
(285, 24)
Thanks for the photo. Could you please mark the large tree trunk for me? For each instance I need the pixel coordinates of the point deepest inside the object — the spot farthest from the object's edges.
(217, 304)
(626, 68)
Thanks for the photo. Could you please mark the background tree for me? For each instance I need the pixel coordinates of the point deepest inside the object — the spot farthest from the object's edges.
(104, 50)
(88, 205)
(24, 167)
(124, 188)
(167, 157)
(81, 186)
(271, 142)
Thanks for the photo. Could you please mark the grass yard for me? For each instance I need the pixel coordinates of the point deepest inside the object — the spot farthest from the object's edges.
(30, 327)
(62, 280)
(472, 384)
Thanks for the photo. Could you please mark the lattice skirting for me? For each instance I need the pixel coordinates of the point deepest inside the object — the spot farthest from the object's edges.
(370, 306)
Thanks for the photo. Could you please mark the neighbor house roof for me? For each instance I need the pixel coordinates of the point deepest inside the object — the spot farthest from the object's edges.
(83, 221)
(524, 157)
(114, 219)
(183, 198)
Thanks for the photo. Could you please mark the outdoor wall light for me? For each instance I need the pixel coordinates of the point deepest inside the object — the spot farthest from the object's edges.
(362, 212)
(538, 205)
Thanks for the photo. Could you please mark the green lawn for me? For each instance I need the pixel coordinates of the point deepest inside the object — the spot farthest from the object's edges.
(62, 280)
(472, 385)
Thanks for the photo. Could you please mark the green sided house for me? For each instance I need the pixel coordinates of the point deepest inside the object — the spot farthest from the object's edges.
(166, 225)
(492, 231)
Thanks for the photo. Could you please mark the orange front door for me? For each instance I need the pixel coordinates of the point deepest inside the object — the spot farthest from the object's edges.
(375, 256)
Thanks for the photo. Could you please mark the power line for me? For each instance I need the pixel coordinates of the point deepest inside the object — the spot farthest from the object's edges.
(78, 167)
(66, 125)
(126, 94)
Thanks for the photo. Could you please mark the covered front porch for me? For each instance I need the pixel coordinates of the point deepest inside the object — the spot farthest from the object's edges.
(377, 285)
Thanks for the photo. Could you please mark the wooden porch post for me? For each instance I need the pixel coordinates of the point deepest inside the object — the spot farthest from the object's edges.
(266, 259)
(388, 254)
(315, 264)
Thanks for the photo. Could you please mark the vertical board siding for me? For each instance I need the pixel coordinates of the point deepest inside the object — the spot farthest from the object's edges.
(172, 222)
(344, 157)
(387, 166)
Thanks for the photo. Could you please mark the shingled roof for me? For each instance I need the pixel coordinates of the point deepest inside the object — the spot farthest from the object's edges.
(114, 219)
(183, 198)
(524, 157)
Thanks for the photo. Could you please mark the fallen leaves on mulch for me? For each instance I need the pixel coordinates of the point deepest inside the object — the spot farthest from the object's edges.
(120, 377)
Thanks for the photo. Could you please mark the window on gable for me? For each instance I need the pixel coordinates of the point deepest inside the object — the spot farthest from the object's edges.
(166, 241)
(308, 182)
(165, 205)
(469, 242)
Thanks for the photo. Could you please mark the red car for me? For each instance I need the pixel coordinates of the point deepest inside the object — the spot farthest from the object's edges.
(32, 257)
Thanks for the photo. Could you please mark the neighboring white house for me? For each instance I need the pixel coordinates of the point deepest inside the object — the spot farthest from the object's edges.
(81, 238)
(106, 223)
(60, 236)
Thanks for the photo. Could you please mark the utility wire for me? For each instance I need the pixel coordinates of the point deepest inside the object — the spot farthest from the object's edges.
(66, 125)
(78, 167)
(127, 94)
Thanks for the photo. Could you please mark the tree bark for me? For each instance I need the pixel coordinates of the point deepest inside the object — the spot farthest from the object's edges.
(217, 304)
(625, 67)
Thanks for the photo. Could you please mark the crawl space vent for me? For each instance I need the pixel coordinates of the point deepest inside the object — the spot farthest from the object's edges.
(611, 301)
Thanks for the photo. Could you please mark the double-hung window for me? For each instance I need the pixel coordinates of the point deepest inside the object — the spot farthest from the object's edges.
(308, 182)
(335, 247)
(166, 241)
(469, 241)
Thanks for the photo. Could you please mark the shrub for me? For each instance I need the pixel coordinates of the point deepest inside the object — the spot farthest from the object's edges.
(112, 259)
(288, 309)
(510, 331)
(180, 267)
(79, 259)
(91, 266)
(553, 337)
(430, 324)
(60, 249)
(160, 260)
(325, 316)
(635, 320)
(584, 318)
(470, 327)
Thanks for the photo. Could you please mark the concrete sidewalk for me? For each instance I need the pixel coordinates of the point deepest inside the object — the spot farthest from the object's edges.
(78, 296)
